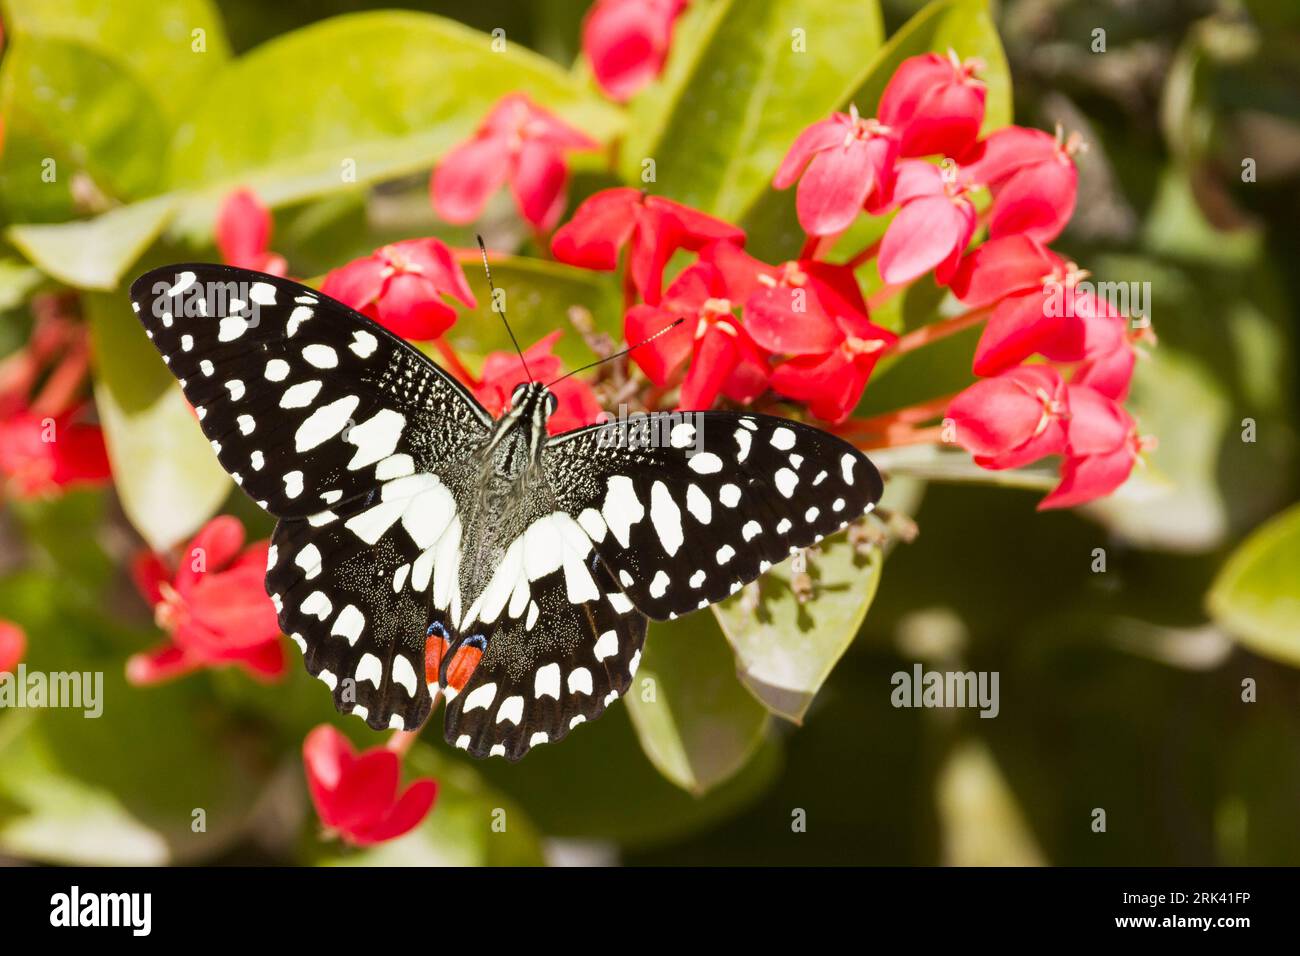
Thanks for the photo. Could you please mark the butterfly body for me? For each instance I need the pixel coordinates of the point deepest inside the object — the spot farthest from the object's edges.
(424, 548)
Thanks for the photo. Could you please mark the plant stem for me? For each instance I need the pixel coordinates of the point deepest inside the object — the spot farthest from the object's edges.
(866, 255)
(453, 361)
(882, 295)
(897, 437)
(937, 330)
(911, 415)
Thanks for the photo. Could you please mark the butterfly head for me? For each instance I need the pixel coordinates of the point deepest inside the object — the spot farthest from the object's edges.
(533, 401)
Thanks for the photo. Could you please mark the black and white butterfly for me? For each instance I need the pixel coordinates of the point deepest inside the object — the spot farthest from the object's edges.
(423, 546)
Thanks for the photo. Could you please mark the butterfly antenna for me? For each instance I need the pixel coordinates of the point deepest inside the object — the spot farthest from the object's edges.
(492, 290)
(609, 358)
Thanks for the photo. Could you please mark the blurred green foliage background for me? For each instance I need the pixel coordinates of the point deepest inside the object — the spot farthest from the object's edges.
(1120, 690)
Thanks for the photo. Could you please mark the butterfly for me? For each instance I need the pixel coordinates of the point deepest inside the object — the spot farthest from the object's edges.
(424, 547)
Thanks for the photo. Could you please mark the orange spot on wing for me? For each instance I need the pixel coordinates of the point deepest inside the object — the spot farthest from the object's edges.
(462, 667)
(434, 648)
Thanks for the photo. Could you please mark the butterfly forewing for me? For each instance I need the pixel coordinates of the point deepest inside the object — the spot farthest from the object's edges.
(306, 402)
(687, 514)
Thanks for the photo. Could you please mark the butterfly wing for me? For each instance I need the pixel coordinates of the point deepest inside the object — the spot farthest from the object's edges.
(549, 669)
(353, 439)
(688, 508)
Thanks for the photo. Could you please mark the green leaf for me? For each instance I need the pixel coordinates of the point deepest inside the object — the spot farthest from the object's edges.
(297, 117)
(1255, 596)
(981, 820)
(464, 828)
(95, 253)
(119, 788)
(538, 297)
(696, 722)
(785, 649)
(963, 25)
(166, 475)
(1173, 499)
(154, 39)
(754, 85)
(79, 131)
(18, 281)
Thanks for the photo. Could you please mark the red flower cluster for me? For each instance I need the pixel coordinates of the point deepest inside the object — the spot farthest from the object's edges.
(626, 43)
(356, 794)
(46, 443)
(518, 142)
(213, 606)
(403, 287)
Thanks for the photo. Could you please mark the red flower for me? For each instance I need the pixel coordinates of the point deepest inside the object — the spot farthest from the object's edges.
(1040, 310)
(723, 359)
(576, 403)
(401, 286)
(1102, 445)
(1012, 419)
(626, 43)
(654, 227)
(519, 142)
(935, 103)
(850, 163)
(43, 454)
(244, 234)
(356, 795)
(213, 606)
(1033, 180)
(13, 645)
(934, 224)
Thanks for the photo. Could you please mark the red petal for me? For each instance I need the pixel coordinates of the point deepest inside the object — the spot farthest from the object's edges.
(715, 357)
(410, 307)
(599, 228)
(367, 790)
(923, 234)
(467, 176)
(626, 42)
(356, 284)
(438, 264)
(830, 384)
(946, 122)
(1085, 479)
(13, 645)
(403, 816)
(1001, 267)
(773, 322)
(160, 665)
(819, 136)
(1110, 373)
(326, 756)
(212, 549)
(1002, 153)
(1097, 424)
(148, 572)
(660, 358)
(576, 406)
(1037, 201)
(740, 271)
(834, 187)
(1016, 330)
(538, 184)
(1001, 416)
(243, 229)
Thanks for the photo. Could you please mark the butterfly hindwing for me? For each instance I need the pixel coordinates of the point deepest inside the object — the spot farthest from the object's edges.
(707, 502)
(539, 679)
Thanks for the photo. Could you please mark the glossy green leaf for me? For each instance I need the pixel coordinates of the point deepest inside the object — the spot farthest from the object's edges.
(538, 298)
(408, 86)
(696, 722)
(120, 788)
(469, 825)
(786, 649)
(79, 132)
(94, 253)
(1256, 596)
(18, 280)
(165, 473)
(962, 25)
(768, 69)
(157, 40)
